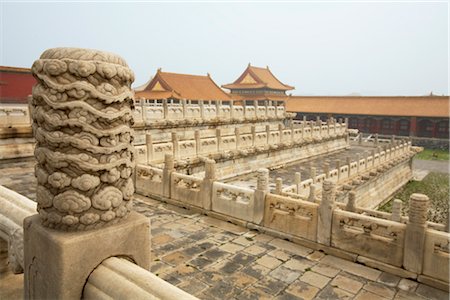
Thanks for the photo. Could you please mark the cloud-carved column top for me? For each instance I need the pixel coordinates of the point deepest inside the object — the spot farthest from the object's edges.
(82, 120)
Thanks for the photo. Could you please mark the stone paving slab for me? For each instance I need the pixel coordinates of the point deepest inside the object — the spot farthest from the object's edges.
(213, 259)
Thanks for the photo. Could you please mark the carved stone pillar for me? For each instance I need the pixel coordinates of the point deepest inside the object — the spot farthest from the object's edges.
(184, 108)
(82, 122)
(338, 167)
(253, 130)
(313, 174)
(268, 134)
(207, 183)
(169, 167)
(278, 186)
(198, 146)
(326, 169)
(326, 208)
(415, 233)
(231, 109)
(218, 108)
(397, 210)
(149, 143)
(312, 193)
(165, 108)
(175, 144)
(351, 203)
(219, 139)
(262, 188)
(238, 137)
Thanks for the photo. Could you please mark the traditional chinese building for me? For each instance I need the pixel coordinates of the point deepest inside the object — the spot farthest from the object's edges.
(174, 86)
(15, 84)
(258, 84)
(420, 116)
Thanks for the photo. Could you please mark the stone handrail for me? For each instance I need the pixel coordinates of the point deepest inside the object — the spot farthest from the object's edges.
(13, 209)
(118, 278)
(154, 151)
(14, 115)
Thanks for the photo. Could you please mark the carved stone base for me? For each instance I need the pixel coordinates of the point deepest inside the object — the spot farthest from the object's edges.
(58, 264)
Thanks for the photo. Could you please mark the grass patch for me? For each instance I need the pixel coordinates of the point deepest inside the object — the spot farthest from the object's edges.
(436, 187)
(433, 154)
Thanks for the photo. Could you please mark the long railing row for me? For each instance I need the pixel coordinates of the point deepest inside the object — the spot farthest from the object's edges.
(383, 239)
(154, 151)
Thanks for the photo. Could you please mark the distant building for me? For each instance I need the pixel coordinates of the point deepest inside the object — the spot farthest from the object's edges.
(258, 84)
(173, 86)
(15, 85)
(420, 116)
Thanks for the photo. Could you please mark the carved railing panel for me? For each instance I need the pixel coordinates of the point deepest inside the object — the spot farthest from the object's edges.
(233, 201)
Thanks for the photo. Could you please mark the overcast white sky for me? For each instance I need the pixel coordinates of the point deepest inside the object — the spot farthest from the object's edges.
(320, 48)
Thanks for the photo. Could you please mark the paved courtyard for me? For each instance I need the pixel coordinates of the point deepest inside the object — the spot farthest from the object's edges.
(213, 259)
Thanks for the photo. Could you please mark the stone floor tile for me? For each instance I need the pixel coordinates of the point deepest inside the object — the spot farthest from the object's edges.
(325, 270)
(269, 262)
(287, 296)
(351, 267)
(431, 292)
(200, 262)
(226, 267)
(252, 293)
(347, 284)
(280, 254)
(380, 289)
(161, 239)
(175, 258)
(223, 237)
(315, 256)
(302, 290)
(255, 270)
(314, 279)
(210, 277)
(193, 250)
(263, 238)
(215, 254)
(299, 264)
(291, 247)
(270, 285)
(242, 280)
(222, 290)
(255, 250)
(366, 295)
(285, 274)
(231, 248)
(389, 279)
(223, 225)
(193, 286)
(243, 258)
(407, 295)
(407, 285)
(244, 241)
(159, 267)
(330, 292)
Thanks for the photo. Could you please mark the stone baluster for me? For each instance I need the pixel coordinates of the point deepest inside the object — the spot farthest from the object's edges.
(278, 186)
(184, 108)
(358, 158)
(202, 109)
(219, 139)
(175, 144)
(376, 139)
(165, 109)
(351, 202)
(238, 137)
(280, 132)
(268, 134)
(346, 123)
(392, 139)
(325, 212)
(313, 173)
(198, 143)
(303, 127)
(149, 144)
(396, 214)
(349, 162)
(338, 167)
(298, 180)
(275, 104)
(266, 104)
(244, 107)
(326, 169)
(231, 109)
(312, 193)
(360, 138)
(366, 159)
(84, 175)
(262, 189)
(206, 186)
(253, 132)
(144, 115)
(373, 158)
(217, 102)
(169, 167)
(318, 121)
(415, 233)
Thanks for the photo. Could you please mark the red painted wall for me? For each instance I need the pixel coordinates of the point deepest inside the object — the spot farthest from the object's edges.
(15, 86)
